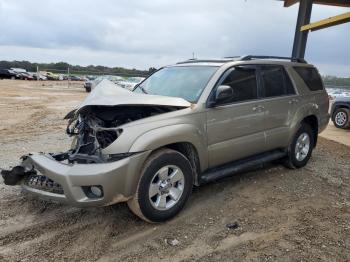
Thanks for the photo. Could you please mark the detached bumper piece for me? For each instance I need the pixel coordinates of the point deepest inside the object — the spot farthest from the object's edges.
(15, 175)
(31, 179)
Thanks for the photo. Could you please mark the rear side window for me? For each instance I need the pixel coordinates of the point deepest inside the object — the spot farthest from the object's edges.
(311, 77)
(275, 81)
(243, 82)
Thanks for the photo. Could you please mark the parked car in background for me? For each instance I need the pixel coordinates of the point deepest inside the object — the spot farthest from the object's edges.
(130, 82)
(88, 85)
(25, 76)
(38, 76)
(75, 78)
(52, 76)
(18, 70)
(8, 74)
(340, 112)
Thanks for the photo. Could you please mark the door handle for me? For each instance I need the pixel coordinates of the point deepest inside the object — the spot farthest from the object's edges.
(258, 107)
(293, 101)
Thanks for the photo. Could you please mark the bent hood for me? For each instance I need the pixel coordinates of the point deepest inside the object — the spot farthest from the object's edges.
(106, 93)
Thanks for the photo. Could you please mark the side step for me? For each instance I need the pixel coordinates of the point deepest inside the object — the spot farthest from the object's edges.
(242, 165)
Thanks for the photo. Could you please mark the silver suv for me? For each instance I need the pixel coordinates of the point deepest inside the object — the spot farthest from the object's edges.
(187, 124)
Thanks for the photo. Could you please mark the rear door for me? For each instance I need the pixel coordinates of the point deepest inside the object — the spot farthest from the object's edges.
(280, 100)
(235, 128)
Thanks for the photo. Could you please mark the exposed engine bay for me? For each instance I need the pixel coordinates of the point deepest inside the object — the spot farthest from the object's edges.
(96, 127)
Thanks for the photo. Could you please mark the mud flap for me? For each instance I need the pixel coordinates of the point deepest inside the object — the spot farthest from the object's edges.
(15, 175)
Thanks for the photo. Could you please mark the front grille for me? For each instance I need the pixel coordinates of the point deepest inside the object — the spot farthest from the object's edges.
(43, 183)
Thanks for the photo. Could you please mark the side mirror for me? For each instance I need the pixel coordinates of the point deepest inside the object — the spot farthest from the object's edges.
(223, 93)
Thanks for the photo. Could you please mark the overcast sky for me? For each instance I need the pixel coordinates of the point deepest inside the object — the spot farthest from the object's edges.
(140, 34)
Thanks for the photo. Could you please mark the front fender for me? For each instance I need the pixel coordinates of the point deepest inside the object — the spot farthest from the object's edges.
(171, 134)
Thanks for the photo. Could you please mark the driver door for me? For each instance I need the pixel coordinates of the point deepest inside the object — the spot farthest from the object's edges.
(235, 127)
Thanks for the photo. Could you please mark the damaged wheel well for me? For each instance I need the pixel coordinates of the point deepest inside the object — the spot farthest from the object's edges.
(190, 152)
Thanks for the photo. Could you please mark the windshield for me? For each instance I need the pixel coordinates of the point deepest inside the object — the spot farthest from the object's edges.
(186, 82)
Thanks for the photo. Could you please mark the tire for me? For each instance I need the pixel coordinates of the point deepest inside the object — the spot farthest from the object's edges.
(341, 118)
(88, 89)
(298, 155)
(170, 192)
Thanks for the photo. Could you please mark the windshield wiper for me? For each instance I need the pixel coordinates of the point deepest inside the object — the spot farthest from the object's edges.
(142, 89)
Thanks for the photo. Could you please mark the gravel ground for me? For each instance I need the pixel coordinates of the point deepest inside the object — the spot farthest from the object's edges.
(273, 214)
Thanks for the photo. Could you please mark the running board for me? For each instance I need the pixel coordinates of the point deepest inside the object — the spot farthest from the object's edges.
(242, 165)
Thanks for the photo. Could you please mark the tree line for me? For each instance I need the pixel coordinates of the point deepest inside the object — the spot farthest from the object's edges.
(62, 67)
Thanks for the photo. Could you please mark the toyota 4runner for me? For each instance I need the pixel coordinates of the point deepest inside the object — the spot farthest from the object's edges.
(187, 124)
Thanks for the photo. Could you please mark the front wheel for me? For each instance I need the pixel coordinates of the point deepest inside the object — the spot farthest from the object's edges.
(164, 187)
(300, 150)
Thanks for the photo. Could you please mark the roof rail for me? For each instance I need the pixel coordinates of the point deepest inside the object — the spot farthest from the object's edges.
(242, 58)
(292, 59)
(223, 60)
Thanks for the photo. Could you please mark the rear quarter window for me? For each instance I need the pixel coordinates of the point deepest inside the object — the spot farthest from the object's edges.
(311, 77)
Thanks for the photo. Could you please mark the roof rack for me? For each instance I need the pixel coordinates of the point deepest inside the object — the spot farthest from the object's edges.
(222, 60)
(292, 59)
(242, 58)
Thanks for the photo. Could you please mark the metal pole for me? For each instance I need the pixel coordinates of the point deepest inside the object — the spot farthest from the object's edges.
(68, 77)
(300, 38)
(37, 73)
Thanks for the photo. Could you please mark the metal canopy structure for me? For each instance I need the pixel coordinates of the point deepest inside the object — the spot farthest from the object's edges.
(303, 25)
(343, 3)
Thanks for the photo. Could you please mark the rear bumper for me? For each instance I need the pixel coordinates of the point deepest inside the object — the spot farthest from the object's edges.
(117, 179)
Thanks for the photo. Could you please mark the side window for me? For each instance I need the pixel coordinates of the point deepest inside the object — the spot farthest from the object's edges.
(243, 82)
(275, 81)
(311, 77)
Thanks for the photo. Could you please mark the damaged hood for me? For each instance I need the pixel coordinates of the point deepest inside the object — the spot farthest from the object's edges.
(106, 93)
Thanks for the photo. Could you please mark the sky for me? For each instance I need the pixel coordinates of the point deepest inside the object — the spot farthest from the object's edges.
(153, 33)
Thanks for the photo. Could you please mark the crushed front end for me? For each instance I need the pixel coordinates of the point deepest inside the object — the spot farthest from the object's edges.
(96, 170)
(84, 175)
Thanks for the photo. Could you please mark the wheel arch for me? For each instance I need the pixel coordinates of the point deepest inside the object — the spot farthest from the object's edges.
(184, 138)
(312, 121)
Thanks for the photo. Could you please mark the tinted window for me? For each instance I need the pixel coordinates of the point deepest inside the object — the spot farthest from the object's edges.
(311, 77)
(243, 82)
(275, 81)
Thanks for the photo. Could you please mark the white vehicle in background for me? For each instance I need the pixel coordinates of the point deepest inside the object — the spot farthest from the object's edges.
(18, 70)
(127, 83)
(38, 76)
(131, 82)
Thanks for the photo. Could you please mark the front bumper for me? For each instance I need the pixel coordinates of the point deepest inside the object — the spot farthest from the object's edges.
(118, 179)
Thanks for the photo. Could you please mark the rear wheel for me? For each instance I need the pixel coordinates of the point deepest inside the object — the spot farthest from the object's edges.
(300, 150)
(341, 118)
(164, 187)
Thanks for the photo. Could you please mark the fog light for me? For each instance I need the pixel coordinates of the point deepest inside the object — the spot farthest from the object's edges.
(97, 191)
(93, 191)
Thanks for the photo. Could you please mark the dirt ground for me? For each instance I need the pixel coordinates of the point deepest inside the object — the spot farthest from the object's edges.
(277, 214)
